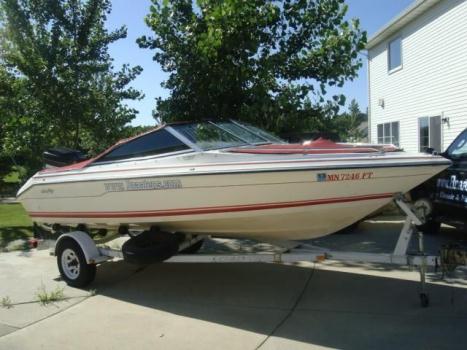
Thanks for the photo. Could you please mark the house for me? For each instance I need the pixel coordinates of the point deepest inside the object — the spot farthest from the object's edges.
(417, 76)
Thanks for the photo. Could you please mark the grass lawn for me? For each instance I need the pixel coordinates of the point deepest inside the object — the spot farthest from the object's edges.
(14, 223)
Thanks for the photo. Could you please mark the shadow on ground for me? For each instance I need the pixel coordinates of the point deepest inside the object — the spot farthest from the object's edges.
(307, 305)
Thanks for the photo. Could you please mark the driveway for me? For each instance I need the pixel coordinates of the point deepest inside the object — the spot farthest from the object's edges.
(238, 306)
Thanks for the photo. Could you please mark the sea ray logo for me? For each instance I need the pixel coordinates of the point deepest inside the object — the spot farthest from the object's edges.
(320, 177)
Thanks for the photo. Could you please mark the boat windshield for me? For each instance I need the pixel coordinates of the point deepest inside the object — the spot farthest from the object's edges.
(270, 138)
(224, 134)
(242, 132)
(209, 136)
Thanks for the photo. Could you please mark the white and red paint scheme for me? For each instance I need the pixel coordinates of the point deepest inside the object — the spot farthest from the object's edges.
(263, 191)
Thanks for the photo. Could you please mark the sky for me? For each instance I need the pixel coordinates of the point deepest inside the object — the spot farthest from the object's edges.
(373, 14)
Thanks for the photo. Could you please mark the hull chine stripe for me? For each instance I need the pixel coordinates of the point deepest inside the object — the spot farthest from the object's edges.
(208, 210)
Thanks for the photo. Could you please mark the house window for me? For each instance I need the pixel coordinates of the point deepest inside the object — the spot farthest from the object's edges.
(429, 133)
(388, 133)
(395, 54)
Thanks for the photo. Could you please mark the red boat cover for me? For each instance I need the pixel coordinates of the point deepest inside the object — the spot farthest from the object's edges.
(319, 146)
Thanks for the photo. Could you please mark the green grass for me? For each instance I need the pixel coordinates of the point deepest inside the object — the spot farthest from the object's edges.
(14, 223)
(45, 297)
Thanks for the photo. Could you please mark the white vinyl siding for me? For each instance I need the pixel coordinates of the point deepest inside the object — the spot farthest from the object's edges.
(433, 81)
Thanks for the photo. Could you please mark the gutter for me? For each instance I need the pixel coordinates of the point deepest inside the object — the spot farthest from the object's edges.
(409, 14)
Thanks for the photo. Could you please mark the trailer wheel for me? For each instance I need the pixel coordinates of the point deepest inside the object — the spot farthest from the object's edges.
(424, 209)
(74, 269)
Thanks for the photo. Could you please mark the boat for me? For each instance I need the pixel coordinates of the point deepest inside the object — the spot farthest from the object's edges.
(224, 179)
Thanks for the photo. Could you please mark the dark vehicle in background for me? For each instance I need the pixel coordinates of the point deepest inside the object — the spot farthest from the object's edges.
(443, 198)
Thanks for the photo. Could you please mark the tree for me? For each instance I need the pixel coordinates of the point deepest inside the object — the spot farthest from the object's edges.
(349, 123)
(55, 53)
(17, 145)
(356, 118)
(258, 60)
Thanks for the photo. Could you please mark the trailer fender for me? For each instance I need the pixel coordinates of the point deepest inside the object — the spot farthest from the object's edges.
(86, 243)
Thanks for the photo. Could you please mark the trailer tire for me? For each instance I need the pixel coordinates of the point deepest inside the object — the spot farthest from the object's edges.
(74, 269)
(150, 247)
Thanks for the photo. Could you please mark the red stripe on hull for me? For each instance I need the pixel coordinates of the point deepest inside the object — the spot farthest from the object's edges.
(207, 210)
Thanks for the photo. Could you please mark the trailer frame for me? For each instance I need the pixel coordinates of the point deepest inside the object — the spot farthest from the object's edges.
(95, 252)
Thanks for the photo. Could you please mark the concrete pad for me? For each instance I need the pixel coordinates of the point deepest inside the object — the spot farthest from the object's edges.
(338, 330)
(233, 306)
(360, 293)
(358, 311)
(22, 274)
(103, 323)
(23, 315)
(180, 306)
(243, 285)
(5, 329)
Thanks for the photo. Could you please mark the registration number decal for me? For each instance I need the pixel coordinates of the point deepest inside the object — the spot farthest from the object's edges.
(363, 175)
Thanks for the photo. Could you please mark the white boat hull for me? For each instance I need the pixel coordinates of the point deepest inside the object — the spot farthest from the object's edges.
(282, 204)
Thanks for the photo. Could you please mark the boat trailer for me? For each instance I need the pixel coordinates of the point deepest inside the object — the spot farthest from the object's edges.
(95, 252)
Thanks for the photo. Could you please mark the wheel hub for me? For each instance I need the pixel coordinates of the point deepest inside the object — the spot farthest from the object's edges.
(423, 208)
(70, 264)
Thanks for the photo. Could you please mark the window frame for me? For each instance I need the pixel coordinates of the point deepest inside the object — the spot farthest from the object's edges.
(390, 126)
(430, 145)
(420, 119)
(400, 66)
